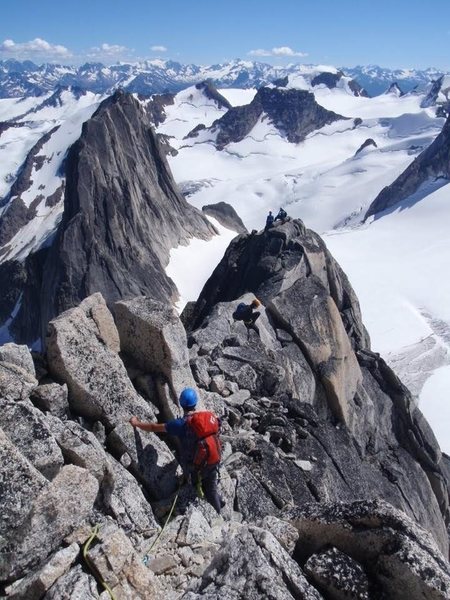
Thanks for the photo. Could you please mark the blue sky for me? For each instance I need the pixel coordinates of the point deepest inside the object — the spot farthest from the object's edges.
(394, 33)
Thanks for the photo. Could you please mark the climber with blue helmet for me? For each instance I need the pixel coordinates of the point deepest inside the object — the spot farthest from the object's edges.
(201, 448)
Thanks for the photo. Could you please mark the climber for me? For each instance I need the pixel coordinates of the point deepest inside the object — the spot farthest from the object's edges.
(200, 448)
(244, 312)
(269, 221)
(282, 214)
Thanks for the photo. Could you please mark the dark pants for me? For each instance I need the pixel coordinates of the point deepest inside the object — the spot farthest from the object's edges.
(210, 476)
(250, 324)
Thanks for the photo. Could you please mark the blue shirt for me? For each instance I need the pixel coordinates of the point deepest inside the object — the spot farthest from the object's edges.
(177, 427)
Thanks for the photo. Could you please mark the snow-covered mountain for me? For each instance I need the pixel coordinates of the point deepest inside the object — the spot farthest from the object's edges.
(157, 76)
(377, 80)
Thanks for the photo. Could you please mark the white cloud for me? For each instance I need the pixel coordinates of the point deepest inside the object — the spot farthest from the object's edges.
(158, 49)
(260, 52)
(37, 46)
(108, 50)
(280, 51)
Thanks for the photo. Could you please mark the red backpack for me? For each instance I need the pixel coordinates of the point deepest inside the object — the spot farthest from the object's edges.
(205, 426)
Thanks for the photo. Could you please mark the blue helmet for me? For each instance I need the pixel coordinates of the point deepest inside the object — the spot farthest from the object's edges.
(188, 398)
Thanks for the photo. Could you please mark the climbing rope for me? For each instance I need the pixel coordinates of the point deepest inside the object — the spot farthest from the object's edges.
(91, 566)
(146, 558)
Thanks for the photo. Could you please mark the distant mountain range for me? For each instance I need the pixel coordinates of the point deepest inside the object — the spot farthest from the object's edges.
(26, 78)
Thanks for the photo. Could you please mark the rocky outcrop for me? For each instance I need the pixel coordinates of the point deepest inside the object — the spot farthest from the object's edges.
(155, 107)
(438, 95)
(125, 219)
(294, 112)
(384, 544)
(153, 337)
(431, 165)
(366, 144)
(253, 565)
(54, 514)
(226, 215)
(395, 90)
(211, 92)
(331, 80)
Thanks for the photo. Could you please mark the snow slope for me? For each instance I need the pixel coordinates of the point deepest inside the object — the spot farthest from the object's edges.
(191, 107)
(319, 180)
(398, 266)
(189, 269)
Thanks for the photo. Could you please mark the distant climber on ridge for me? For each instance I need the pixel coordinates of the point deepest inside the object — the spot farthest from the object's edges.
(244, 312)
(200, 448)
(282, 215)
(269, 221)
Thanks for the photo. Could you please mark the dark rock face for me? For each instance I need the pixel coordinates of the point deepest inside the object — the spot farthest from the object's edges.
(211, 92)
(156, 105)
(366, 144)
(338, 574)
(282, 82)
(328, 79)
(226, 215)
(357, 89)
(332, 79)
(122, 215)
(394, 88)
(303, 385)
(294, 112)
(387, 545)
(436, 88)
(432, 164)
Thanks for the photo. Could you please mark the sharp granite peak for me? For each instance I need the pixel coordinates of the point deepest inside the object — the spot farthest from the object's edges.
(118, 186)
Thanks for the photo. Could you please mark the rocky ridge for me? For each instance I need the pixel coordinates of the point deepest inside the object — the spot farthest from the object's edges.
(333, 482)
(295, 113)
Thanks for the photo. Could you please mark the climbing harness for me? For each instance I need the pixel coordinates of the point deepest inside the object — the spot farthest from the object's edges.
(91, 566)
(198, 487)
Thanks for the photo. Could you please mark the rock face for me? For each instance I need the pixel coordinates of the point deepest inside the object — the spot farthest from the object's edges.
(122, 215)
(212, 93)
(294, 112)
(381, 540)
(366, 144)
(431, 165)
(331, 80)
(395, 89)
(153, 337)
(226, 215)
(439, 96)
